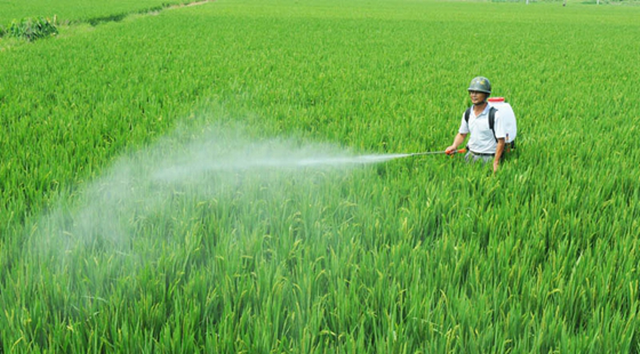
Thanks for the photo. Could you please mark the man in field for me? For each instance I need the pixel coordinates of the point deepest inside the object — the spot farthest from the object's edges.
(485, 144)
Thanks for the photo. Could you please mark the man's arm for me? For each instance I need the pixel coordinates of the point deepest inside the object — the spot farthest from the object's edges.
(499, 151)
(459, 139)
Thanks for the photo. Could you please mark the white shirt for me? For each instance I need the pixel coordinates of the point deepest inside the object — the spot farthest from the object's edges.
(482, 140)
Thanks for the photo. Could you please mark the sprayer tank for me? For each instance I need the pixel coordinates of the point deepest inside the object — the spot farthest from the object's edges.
(507, 116)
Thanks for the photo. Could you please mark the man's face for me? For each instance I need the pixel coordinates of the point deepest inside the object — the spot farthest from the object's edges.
(477, 97)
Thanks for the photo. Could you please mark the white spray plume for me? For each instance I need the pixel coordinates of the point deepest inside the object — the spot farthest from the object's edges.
(110, 210)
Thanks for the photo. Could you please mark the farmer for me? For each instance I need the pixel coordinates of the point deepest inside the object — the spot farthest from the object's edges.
(484, 145)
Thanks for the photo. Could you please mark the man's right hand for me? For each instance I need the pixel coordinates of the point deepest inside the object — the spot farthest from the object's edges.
(450, 150)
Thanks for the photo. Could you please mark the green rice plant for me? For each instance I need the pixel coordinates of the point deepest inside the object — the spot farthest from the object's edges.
(76, 11)
(146, 206)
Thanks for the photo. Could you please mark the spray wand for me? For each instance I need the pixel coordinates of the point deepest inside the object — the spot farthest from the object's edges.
(460, 151)
(366, 158)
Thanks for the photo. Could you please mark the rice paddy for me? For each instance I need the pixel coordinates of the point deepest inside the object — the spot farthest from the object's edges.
(182, 180)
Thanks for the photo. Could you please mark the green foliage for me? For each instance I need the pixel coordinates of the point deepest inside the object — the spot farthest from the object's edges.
(74, 11)
(31, 29)
(425, 254)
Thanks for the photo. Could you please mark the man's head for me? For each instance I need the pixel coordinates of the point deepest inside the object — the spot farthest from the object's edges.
(479, 89)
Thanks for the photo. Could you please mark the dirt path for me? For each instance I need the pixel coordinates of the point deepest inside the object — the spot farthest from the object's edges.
(196, 3)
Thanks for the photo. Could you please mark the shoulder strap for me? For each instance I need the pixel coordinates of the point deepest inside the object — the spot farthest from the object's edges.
(492, 121)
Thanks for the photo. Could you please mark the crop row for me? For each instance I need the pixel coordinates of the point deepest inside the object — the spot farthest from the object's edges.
(77, 11)
(129, 223)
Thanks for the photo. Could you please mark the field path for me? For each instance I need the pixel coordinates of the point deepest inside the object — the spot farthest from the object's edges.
(196, 3)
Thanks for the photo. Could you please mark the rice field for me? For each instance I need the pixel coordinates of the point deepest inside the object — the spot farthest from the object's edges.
(77, 11)
(170, 179)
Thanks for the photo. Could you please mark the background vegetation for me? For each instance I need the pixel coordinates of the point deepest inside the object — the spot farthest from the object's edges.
(79, 10)
(415, 255)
